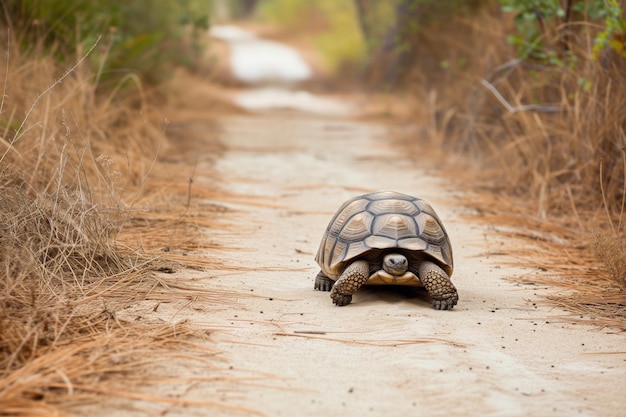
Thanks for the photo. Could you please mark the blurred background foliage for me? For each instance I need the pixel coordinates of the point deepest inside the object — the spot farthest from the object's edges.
(385, 38)
(535, 89)
(143, 37)
(334, 24)
(381, 38)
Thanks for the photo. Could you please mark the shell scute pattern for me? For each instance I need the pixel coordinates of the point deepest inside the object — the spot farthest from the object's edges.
(394, 226)
(345, 215)
(412, 243)
(383, 220)
(379, 207)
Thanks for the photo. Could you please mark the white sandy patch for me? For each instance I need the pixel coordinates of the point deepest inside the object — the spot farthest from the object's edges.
(271, 98)
(255, 60)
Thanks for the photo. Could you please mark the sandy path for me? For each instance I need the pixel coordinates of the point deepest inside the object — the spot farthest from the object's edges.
(289, 352)
(388, 353)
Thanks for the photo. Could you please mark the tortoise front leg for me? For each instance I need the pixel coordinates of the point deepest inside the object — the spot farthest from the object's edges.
(438, 285)
(353, 277)
(323, 283)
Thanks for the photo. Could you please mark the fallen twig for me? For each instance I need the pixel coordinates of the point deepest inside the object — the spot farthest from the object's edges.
(525, 107)
(391, 342)
(309, 332)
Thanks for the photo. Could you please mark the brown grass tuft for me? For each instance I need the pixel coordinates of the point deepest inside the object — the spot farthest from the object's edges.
(545, 144)
(82, 236)
(610, 250)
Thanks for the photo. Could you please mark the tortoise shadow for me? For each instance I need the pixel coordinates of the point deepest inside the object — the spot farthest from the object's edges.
(392, 294)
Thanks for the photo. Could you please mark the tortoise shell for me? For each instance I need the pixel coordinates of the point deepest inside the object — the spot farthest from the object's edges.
(372, 225)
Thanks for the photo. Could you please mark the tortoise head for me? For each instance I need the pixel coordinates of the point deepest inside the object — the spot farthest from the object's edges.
(395, 264)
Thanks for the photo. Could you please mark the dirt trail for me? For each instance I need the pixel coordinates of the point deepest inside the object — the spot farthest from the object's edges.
(389, 352)
(291, 352)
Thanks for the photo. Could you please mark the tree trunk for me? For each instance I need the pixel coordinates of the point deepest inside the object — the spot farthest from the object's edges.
(248, 7)
(390, 57)
(364, 16)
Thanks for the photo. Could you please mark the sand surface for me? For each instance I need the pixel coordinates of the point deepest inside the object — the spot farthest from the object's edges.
(388, 353)
(288, 351)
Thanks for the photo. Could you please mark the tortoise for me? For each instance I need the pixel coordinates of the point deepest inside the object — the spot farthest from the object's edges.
(386, 238)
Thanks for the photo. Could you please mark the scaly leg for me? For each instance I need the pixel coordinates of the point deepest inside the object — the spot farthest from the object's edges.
(438, 285)
(349, 282)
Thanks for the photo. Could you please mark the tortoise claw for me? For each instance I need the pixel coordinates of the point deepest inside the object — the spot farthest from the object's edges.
(341, 299)
(323, 283)
(446, 302)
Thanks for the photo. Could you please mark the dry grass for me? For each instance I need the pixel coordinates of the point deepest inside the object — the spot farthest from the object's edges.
(561, 257)
(546, 145)
(76, 199)
(609, 248)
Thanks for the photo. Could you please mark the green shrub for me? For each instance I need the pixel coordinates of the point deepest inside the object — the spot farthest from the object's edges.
(144, 37)
(543, 24)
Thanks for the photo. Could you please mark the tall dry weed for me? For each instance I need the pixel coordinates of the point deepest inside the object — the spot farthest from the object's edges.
(549, 140)
(544, 129)
(73, 169)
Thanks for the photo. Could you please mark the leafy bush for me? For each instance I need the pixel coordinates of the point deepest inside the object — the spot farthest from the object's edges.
(614, 34)
(542, 24)
(139, 37)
